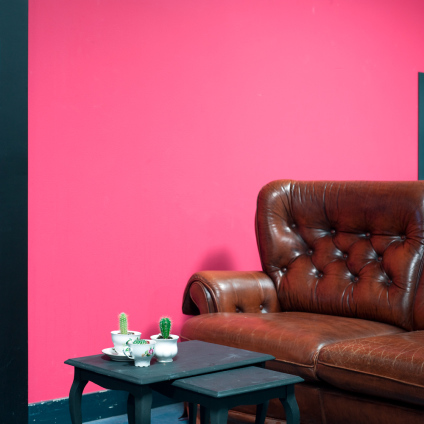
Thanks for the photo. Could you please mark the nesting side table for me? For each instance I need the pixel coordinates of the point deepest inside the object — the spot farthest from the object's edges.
(221, 391)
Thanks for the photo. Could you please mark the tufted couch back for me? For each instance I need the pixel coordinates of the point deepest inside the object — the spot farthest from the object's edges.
(351, 249)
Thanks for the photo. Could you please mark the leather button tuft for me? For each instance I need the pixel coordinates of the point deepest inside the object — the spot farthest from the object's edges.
(310, 251)
(403, 237)
(380, 258)
(284, 269)
(293, 225)
(320, 275)
(345, 255)
(356, 279)
(261, 307)
(237, 310)
(367, 234)
(333, 231)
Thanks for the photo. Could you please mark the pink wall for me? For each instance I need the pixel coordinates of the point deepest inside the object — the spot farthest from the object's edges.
(153, 124)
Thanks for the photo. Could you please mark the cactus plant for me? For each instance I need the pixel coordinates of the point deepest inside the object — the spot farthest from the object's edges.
(165, 327)
(166, 347)
(123, 323)
(140, 341)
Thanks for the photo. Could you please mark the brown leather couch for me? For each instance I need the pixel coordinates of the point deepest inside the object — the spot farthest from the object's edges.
(339, 300)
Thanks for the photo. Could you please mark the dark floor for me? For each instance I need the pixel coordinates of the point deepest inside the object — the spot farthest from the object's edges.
(168, 414)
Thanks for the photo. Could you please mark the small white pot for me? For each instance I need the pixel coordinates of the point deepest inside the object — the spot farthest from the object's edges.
(166, 349)
(120, 340)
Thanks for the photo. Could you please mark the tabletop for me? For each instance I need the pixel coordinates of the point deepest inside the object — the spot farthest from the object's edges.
(236, 381)
(193, 358)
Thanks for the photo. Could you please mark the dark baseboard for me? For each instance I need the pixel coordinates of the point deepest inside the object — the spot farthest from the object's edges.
(104, 404)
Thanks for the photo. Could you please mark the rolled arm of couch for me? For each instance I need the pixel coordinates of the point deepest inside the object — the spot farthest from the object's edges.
(230, 291)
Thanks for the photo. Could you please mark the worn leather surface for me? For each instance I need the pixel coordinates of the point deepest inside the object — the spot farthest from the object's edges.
(294, 338)
(230, 291)
(340, 407)
(350, 249)
(390, 366)
(322, 404)
(419, 305)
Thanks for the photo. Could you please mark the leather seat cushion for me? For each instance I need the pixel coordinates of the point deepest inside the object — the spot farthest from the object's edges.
(390, 366)
(294, 338)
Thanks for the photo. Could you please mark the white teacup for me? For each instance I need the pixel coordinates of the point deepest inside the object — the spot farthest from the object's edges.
(120, 340)
(141, 353)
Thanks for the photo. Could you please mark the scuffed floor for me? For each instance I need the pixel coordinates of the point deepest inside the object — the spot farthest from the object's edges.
(168, 414)
(171, 414)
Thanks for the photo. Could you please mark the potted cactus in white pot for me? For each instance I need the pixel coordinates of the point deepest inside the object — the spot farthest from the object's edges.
(121, 337)
(166, 343)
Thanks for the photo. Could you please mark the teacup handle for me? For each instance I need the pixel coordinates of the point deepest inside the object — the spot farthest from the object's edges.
(125, 352)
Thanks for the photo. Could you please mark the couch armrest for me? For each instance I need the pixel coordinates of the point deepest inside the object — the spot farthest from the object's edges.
(230, 291)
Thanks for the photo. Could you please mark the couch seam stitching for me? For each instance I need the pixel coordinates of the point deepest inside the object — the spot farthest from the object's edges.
(369, 374)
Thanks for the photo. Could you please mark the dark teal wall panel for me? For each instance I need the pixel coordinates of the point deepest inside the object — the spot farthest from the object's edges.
(14, 210)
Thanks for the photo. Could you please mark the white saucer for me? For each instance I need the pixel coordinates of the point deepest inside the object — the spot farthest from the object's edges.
(111, 352)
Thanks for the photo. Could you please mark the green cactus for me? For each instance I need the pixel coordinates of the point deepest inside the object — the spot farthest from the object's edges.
(123, 323)
(165, 327)
(140, 341)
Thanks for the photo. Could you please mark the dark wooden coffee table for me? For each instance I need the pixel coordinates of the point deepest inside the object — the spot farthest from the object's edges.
(194, 358)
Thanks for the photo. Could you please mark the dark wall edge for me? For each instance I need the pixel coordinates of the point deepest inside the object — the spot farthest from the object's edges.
(420, 126)
(14, 209)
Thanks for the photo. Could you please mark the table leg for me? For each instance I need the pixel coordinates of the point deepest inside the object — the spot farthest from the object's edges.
(290, 406)
(204, 415)
(219, 416)
(261, 410)
(130, 409)
(75, 396)
(192, 413)
(139, 406)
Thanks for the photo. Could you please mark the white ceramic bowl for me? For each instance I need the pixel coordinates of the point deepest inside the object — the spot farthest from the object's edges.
(166, 349)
